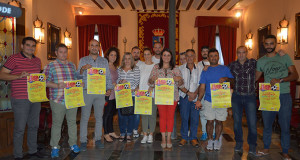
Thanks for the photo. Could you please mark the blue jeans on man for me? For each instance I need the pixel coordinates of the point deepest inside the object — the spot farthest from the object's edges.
(188, 112)
(247, 102)
(284, 118)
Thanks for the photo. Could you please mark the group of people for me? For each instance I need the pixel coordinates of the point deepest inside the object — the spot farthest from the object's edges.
(192, 94)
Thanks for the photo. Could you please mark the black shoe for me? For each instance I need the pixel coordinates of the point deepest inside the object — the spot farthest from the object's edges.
(18, 158)
(38, 155)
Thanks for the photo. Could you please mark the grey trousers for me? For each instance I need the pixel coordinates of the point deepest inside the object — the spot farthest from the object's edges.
(28, 113)
(58, 114)
(98, 102)
(149, 121)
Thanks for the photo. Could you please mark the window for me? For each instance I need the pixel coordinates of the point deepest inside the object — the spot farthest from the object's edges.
(96, 37)
(218, 47)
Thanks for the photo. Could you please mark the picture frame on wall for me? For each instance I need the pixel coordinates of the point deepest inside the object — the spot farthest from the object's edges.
(262, 33)
(297, 37)
(53, 39)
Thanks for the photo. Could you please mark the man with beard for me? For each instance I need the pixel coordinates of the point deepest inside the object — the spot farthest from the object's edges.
(277, 69)
(201, 65)
(214, 74)
(157, 48)
(135, 52)
(96, 100)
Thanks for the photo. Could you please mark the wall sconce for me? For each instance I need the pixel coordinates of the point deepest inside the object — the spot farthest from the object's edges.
(193, 42)
(124, 41)
(282, 32)
(249, 41)
(68, 39)
(38, 30)
(238, 13)
(79, 10)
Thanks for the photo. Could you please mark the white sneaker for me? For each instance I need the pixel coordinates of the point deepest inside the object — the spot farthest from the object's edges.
(144, 140)
(218, 144)
(210, 145)
(135, 134)
(150, 139)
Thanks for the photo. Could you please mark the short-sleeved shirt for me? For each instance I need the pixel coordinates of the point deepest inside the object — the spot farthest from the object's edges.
(58, 72)
(275, 67)
(19, 63)
(213, 75)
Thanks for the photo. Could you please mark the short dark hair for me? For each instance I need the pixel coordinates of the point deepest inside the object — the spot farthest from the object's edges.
(28, 39)
(109, 50)
(147, 49)
(60, 45)
(204, 47)
(182, 53)
(212, 50)
(171, 63)
(190, 50)
(271, 36)
(135, 47)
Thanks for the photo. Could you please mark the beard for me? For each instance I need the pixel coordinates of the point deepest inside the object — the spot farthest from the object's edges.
(204, 58)
(136, 58)
(270, 50)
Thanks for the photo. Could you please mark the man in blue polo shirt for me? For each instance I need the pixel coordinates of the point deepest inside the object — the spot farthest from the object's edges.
(214, 74)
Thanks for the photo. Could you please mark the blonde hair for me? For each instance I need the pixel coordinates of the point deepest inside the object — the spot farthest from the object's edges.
(132, 65)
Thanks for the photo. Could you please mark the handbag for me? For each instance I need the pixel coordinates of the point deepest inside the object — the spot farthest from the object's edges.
(127, 111)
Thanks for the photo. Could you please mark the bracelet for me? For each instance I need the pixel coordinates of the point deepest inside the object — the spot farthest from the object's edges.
(187, 92)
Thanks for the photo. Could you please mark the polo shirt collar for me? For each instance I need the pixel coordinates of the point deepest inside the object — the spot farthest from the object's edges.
(61, 62)
(33, 56)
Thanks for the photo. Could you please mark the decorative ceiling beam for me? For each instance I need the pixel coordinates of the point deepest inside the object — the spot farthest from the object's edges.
(167, 4)
(201, 4)
(97, 4)
(109, 5)
(155, 4)
(212, 4)
(143, 4)
(178, 4)
(132, 4)
(234, 5)
(189, 5)
(224, 4)
(120, 4)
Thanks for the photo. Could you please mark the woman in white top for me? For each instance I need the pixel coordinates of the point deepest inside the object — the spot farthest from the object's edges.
(148, 121)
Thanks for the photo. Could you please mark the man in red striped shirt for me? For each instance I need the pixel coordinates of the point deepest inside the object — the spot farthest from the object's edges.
(16, 69)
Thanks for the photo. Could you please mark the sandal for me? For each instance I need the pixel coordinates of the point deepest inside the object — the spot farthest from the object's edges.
(114, 136)
(122, 138)
(107, 138)
(128, 139)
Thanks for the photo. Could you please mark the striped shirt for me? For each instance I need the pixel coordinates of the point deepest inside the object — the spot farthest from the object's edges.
(19, 63)
(132, 76)
(58, 72)
(100, 62)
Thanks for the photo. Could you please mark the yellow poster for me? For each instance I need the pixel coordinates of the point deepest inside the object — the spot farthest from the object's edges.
(269, 97)
(164, 91)
(73, 94)
(220, 95)
(96, 81)
(36, 87)
(143, 102)
(123, 95)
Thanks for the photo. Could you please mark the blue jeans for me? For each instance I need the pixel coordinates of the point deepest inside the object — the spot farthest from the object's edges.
(126, 122)
(136, 121)
(247, 102)
(284, 118)
(188, 112)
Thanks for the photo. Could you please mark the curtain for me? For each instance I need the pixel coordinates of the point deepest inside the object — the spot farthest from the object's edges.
(228, 43)
(85, 34)
(206, 37)
(108, 36)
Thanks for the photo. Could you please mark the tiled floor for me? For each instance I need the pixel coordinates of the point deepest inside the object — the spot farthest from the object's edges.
(137, 151)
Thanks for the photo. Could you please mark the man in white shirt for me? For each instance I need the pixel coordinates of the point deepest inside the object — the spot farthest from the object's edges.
(157, 48)
(135, 52)
(191, 75)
